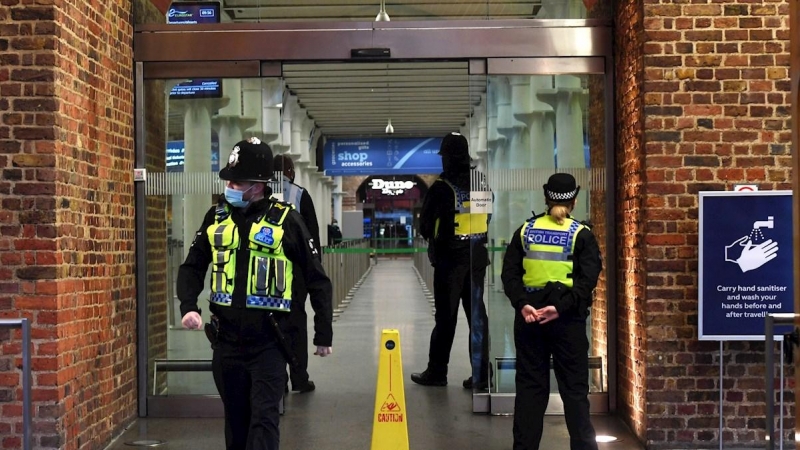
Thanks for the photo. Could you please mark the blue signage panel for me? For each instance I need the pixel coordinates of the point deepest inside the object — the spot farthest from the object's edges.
(190, 13)
(746, 263)
(385, 156)
(176, 155)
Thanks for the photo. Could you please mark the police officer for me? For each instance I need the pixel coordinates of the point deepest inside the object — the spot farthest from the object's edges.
(297, 327)
(457, 250)
(256, 246)
(549, 272)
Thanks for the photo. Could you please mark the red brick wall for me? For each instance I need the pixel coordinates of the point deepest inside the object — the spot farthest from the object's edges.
(630, 175)
(66, 230)
(716, 93)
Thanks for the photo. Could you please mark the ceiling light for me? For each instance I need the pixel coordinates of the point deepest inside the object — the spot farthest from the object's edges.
(382, 16)
(389, 127)
(606, 438)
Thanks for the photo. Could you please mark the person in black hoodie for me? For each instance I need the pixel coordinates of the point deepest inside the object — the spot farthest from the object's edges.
(256, 246)
(550, 269)
(457, 239)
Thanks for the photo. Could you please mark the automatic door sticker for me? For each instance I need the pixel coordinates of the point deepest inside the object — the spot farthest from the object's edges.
(753, 251)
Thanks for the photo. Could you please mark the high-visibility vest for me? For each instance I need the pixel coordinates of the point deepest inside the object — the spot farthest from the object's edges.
(549, 251)
(269, 278)
(466, 224)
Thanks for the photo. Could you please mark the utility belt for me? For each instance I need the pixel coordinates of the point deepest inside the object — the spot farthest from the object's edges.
(469, 237)
(254, 301)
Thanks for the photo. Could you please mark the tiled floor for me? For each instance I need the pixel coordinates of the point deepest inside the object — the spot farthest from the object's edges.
(338, 415)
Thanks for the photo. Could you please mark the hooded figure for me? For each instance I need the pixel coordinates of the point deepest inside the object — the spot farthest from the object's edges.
(457, 250)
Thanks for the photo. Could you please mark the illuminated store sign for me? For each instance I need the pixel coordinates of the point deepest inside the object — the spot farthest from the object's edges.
(392, 156)
(388, 187)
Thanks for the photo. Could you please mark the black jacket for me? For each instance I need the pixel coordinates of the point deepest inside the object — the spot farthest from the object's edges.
(249, 325)
(587, 266)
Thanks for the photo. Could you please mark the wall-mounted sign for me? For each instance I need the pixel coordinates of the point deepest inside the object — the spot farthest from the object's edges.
(191, 13)
(385, 156)
(391, 187)
(746, 262)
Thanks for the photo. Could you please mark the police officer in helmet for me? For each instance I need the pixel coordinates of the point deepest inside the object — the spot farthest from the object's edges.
(456, 238)
(550, 269)
(256, 246)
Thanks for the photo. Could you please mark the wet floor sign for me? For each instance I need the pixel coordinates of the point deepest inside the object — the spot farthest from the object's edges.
(390, 421)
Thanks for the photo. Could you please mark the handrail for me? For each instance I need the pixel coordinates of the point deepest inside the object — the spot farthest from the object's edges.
(769, 348)
(24, 323)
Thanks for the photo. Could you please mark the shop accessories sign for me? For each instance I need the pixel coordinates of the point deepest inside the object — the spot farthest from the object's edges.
(392, 156)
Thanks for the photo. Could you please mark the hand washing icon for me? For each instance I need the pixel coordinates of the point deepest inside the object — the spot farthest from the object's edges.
(755, 250)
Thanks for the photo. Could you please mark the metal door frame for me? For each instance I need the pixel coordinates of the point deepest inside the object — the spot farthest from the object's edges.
(235, 50)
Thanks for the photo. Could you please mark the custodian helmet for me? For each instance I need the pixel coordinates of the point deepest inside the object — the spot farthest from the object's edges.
(250, 160)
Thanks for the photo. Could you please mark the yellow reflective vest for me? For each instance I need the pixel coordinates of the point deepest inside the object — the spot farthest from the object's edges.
(466, 224)
(548, 250)
(269, 278)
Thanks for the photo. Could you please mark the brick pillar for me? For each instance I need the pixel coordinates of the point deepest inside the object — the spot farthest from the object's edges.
(631, 251)
(716, 93)
(67, 220)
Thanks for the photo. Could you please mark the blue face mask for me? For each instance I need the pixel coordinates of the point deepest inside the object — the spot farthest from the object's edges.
(234, 197)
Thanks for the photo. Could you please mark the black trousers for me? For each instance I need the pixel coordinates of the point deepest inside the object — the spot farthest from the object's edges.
(454, 283)
(250, 380)
(296, 333)
(565, 340)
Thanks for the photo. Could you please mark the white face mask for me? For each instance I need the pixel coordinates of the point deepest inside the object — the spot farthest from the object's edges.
(235, 197)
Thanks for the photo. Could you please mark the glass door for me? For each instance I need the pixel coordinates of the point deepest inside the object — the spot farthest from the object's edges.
(189, 129)
(538, 117)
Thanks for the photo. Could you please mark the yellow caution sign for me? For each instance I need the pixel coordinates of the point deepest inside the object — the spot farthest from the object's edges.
(390, 423)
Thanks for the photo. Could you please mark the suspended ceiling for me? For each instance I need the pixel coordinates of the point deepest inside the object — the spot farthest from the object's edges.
(367, 10)
(358, 99)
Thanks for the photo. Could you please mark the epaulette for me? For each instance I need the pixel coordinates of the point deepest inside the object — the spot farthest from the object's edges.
(222, 211)
(587, 224)
(277, 211)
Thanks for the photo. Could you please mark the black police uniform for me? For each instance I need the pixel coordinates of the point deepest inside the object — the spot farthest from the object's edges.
(564, 339)
(458, 275)
(249, 364)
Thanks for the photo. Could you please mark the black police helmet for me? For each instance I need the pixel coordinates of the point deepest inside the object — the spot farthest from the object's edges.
(250, 160)
(455, 146)
(561, 188)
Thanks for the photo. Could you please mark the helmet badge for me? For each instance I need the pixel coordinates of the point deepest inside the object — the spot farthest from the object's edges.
(234, 158)
(254, 140)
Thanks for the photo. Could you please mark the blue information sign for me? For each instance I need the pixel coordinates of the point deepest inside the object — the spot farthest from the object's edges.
(384, 156)
(176, 154)
(746, 263)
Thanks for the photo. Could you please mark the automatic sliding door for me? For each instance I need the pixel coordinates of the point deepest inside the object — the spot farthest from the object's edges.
(191, 127)
(543, 116)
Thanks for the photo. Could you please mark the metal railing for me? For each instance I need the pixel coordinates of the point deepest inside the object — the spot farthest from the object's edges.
(346, 264)
(26, 375)
(769, 350)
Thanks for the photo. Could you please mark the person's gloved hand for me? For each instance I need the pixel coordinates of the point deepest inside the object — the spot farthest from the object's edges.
(323, 351)
(547, 314)
(192, 321)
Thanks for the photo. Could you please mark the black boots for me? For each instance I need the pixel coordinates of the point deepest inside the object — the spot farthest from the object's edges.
(427, 379)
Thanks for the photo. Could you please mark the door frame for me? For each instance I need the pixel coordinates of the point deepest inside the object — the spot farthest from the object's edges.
(236, 50)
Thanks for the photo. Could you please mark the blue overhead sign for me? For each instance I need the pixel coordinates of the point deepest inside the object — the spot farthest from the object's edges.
(746, 263)
(384, 156)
